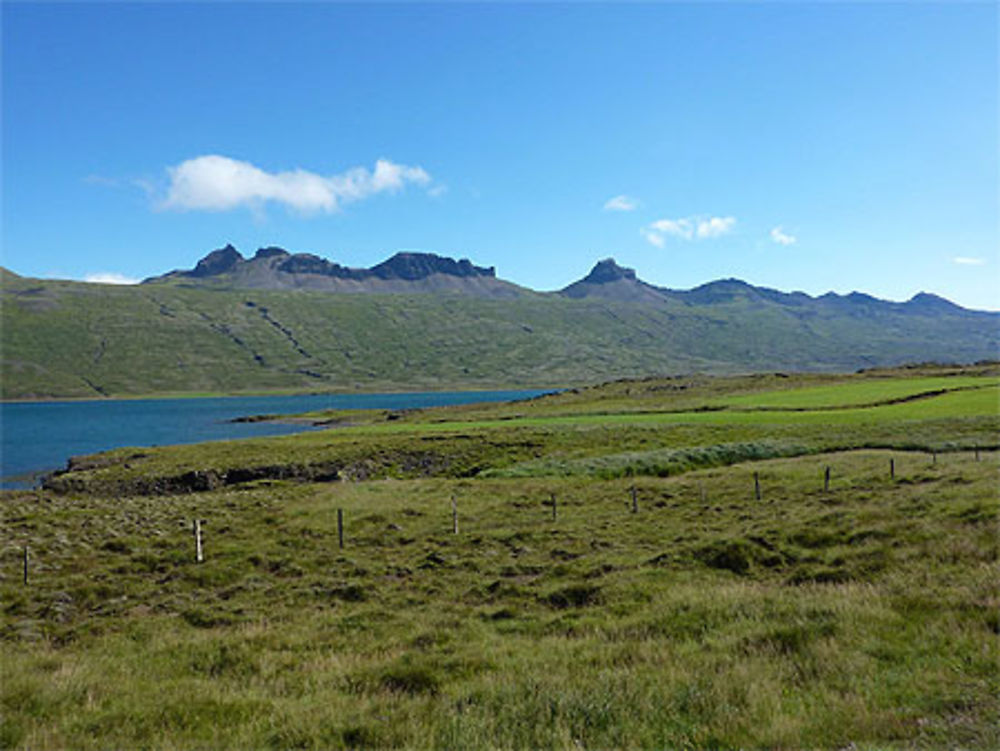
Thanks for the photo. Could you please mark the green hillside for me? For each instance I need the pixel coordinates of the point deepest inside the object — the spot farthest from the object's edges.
(68, 339)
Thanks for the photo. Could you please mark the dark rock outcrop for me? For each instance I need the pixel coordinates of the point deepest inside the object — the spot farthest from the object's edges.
(217, 262)
(271, 251)
(275, 268)
(413, 266)
(608, 271)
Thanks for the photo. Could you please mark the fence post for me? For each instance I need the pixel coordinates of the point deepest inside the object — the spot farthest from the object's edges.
(635, 501)
(26, 564)
(340, 527)
(892, 469)
(756, 485)
(826, 481)
(198, 553)
(554, 513)
(454, 515)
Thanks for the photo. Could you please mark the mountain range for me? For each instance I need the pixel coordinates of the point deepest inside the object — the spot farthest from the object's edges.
(295, 321)
(275, 268)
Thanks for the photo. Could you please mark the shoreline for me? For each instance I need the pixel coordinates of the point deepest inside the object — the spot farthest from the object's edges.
(165, 396)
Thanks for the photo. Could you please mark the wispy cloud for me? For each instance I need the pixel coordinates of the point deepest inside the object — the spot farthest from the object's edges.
(714, 226)
(218, 183)
(781, 237)
(654, 238)
(967, 261)
(109, 277)
(621, 203)
(687, 228)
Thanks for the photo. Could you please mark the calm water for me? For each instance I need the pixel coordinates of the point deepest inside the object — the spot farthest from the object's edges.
(39, 437)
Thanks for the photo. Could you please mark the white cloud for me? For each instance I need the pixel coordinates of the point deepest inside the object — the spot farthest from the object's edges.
(688, 228)
(715, 226)
(109, 277)
(218, 183)
(621, 203)
(781, 237)
(967, 261)
(676, 227)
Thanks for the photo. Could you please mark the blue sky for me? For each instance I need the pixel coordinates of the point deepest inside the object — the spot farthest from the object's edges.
(808, 147)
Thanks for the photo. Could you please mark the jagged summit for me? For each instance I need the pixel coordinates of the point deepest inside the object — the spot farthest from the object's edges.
(217, 262)
(413, 266)
(272, 251)
(609, 281)
(273, 267)
(608, 271)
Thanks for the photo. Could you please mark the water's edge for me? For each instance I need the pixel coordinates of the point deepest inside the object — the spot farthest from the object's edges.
(38, 438)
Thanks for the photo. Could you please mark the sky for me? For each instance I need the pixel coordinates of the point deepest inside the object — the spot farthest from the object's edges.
(813, 147)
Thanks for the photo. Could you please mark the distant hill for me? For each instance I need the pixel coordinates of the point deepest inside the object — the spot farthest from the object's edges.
(233, 324)
(609, 281)
(276, 268)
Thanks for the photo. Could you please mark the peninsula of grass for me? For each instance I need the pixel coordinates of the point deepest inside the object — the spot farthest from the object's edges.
(664, 563)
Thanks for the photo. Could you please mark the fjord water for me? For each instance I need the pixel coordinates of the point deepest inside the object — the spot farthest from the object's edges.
(39, 437)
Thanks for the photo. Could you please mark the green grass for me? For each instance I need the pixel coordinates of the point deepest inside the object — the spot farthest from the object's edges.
(463, 441)
(67, 339)
(860, 615)
(869, 392)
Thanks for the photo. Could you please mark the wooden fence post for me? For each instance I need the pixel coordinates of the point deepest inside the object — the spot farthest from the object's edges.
(198, 553)
(340, 527)
(826, 480)
(635, 501)
(454, 515)
(892, 469)
(554, 513)
(25, 564)
(756, 485)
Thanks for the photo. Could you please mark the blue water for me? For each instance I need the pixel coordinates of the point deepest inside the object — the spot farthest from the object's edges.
(39, 437)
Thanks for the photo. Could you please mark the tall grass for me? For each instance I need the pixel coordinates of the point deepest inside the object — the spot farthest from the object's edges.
(861, 615)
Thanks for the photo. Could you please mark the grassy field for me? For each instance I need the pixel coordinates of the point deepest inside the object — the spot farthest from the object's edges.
(694, 611)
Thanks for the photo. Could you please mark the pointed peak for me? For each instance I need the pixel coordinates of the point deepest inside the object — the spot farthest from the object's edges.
(218, 261)
(929, 301)
(608, 271)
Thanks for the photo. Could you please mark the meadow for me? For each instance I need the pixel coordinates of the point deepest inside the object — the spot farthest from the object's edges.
(756, 561)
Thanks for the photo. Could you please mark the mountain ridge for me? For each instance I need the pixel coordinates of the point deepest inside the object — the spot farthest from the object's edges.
(273, 267)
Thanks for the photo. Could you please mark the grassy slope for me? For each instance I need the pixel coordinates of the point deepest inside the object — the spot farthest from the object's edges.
(71, 339)
(865, 614)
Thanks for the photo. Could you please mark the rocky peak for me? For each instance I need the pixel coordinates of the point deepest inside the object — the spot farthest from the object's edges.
(217, 262)
(608, 271)
(270, 252)
(308, 263)
(414, 266)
